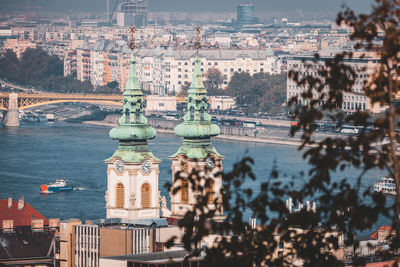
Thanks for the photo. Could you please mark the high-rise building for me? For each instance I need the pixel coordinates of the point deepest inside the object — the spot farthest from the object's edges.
(132, 12)
(245, 14)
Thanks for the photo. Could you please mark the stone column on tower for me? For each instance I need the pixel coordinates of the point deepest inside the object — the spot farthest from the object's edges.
(132, 183)
(11, 119)
(197, 154)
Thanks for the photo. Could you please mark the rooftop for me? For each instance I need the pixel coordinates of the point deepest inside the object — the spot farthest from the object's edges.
(22, 216)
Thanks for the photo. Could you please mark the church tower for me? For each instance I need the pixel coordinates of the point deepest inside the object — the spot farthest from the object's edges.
(197, 154)
(132, 183)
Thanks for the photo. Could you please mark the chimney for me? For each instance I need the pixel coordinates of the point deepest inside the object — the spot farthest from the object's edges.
(21, 203)
(54, 223)
(37, 224)
(9, 202)
(8, 225)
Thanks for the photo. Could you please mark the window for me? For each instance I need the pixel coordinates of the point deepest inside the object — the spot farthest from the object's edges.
(119, 196)
(145, 196)
(184, 191)
(209, 190)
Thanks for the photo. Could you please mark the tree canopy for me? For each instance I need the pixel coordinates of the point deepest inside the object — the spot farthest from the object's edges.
(313, 237)
(261, 92)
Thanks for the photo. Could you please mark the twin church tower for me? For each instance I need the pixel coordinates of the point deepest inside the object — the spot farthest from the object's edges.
(133, 170)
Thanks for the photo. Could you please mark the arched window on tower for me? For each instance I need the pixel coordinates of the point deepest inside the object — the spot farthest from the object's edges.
(119, 196)
(184, 191)
(202, 113)
(137, 116)
(191, 113)
(127, 116)
(209, 190)
(145, 195)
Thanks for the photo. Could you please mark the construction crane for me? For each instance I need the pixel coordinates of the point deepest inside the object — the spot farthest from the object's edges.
(112, 14)
(28, 7)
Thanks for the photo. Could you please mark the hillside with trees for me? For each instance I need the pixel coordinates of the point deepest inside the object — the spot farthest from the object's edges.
(44, 72)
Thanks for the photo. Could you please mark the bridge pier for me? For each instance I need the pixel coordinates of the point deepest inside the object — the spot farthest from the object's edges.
(11, 119)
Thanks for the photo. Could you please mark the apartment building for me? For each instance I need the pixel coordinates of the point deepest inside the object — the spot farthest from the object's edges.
(165, 71)
(352, 101)
(83, 244)
(18, 46)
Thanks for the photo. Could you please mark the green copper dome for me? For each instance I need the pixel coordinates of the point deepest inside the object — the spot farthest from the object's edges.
(133, 131)
(197, 122)
(132, 126)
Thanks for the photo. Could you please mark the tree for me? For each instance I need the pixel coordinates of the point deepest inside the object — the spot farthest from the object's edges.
(214, 79)
(45, 72)
(343, 209)
(113, 86)
(9, 65)
(183, 91)
(260, 92)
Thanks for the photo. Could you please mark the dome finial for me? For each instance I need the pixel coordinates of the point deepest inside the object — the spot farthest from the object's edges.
(132, 30)
(197, 44)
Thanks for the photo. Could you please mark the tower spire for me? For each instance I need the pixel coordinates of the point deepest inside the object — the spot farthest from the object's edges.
(197, 43)
(132, 126)
(197, 126)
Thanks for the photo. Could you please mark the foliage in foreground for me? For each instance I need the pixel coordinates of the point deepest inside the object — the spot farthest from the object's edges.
(343, 209)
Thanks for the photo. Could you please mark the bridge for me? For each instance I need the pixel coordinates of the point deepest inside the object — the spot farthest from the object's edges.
(25, 100)
(13, 102)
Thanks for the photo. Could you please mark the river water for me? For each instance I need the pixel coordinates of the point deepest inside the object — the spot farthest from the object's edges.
(36, 154)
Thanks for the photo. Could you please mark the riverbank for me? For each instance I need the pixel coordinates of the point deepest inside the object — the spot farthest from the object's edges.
(288, 142)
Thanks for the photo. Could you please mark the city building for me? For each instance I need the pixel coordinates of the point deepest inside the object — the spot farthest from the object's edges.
(158, 259)
(156, 103)
(245, 14)
(82, 245)
(25, 235)
(132, 12)
(356, 100)
(165, 71)
(18, 46)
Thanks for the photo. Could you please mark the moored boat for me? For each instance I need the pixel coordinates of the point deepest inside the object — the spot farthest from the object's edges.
(60, 185)
(386, 185)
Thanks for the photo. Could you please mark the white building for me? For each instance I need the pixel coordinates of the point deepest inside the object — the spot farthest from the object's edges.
(166, 71)
(364, 68)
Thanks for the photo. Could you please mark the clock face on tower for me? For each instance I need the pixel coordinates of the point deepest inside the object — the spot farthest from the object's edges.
(209, 162)
(146, 166)
(119, 165)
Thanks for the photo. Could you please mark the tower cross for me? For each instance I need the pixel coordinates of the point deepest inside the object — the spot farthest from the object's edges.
(132, 30)
(197, 44)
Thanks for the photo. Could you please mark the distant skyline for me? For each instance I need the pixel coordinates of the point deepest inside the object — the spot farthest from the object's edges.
(195, 5)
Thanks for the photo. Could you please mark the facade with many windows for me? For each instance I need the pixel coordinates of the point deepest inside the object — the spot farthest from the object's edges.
(352, 101)
(165, 71)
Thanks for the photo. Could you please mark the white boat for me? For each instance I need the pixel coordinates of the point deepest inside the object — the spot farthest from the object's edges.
(386, 185)
(59, 186)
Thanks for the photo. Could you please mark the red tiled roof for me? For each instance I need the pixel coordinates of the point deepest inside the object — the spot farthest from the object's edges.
(382, 228)
(21, 217)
